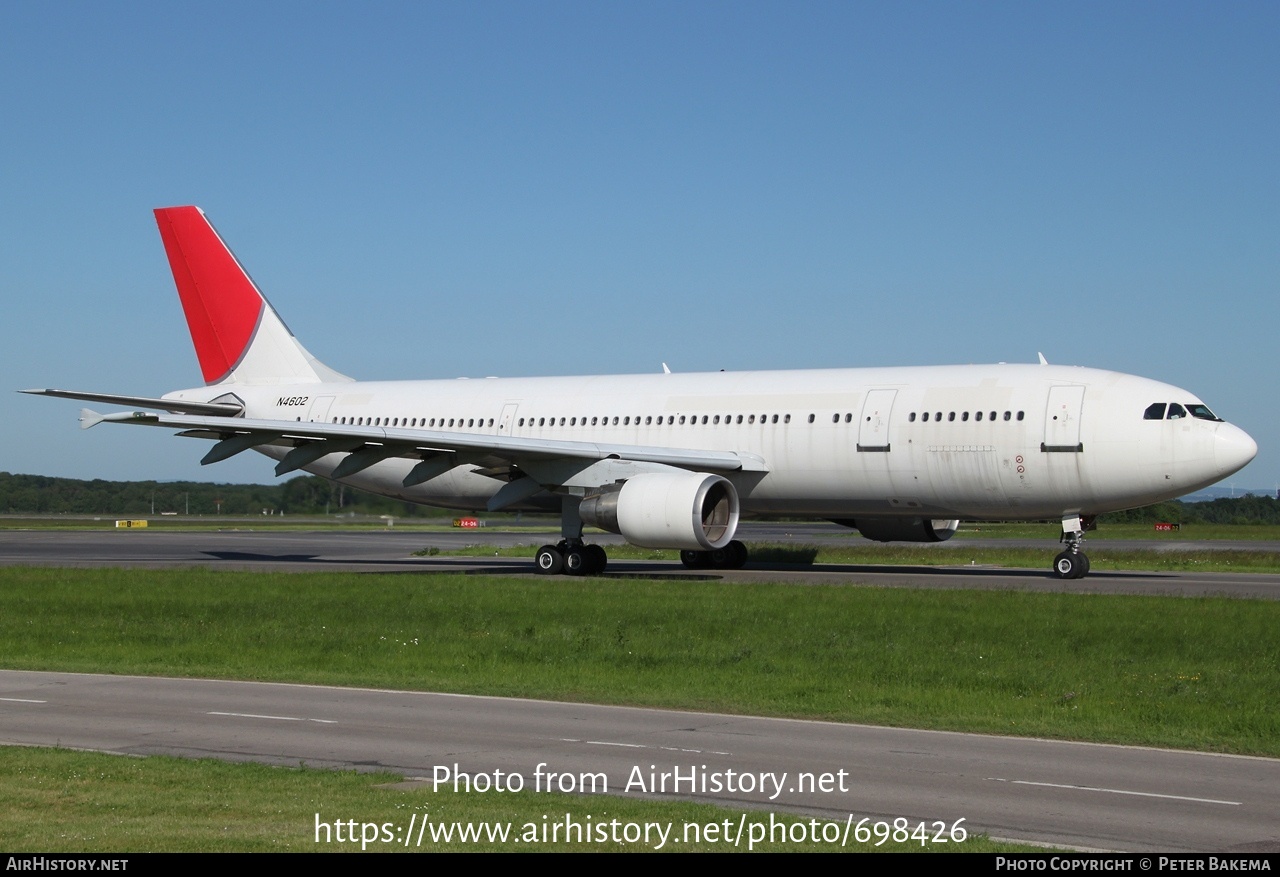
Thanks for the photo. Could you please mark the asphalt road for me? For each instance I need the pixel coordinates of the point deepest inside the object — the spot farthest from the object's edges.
(1080, 795)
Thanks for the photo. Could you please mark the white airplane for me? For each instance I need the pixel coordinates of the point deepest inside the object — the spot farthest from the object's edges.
(672, 460)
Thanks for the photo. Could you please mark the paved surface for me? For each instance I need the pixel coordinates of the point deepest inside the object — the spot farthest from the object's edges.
(392, 551)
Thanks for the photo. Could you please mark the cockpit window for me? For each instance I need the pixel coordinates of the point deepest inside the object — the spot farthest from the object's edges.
(1154, 411)
(1202, 412)
(1176, 411)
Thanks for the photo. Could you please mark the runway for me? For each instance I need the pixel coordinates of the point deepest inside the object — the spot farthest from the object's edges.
(1080, 795)
(391, 551)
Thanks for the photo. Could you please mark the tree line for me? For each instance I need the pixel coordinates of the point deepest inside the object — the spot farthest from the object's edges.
(312, 495)
(304, 495)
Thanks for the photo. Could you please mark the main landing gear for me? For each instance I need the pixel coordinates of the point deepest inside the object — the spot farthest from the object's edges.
(570, 556)
(732, 556)
(1073, 563)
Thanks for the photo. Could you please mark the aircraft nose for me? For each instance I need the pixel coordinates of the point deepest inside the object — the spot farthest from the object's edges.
(1232, 449)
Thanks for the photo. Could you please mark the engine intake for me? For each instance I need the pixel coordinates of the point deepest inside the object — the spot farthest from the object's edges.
(693, 511)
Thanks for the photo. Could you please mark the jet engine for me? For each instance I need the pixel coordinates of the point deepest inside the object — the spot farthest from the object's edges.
(902, 529)
(693, 511)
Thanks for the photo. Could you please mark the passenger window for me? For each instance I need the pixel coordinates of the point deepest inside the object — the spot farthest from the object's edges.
(925, 417)
(911, 418)
(1008, 415)
(951, 416)
(977, 415)
(964, 416)
(1155, 411)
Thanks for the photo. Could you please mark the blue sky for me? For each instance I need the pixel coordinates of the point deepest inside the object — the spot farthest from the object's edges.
(444, 189)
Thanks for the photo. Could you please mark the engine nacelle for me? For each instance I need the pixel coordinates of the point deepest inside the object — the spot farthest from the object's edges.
(692, 511)
(902, 529)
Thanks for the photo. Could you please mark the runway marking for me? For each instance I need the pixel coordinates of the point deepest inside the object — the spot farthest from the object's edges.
(607, 743)
(21, 700)
(643, 746)
(1118, 792)
(274, 718)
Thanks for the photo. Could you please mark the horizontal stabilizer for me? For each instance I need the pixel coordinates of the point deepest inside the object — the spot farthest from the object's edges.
(89, 418)
(178, 406)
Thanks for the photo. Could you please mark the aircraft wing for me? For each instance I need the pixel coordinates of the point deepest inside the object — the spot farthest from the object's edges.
(550, 462)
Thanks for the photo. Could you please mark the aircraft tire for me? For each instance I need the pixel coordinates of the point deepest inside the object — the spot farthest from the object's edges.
(548, 561)
(597, 559)
(1070, 566)
(576, 562)
(695, 559)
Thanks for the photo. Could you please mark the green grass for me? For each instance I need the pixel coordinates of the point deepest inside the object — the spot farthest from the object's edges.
(56, 800)
(1196, 673)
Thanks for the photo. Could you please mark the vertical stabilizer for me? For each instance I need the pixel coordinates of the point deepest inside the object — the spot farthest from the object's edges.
(238, 336)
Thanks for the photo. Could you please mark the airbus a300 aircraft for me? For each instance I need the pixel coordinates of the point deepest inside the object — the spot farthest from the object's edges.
(672, 460)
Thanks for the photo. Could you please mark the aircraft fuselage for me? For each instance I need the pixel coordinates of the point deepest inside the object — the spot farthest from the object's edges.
(976, 441)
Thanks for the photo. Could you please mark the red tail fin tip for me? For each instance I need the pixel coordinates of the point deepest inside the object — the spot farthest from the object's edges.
(221, 303)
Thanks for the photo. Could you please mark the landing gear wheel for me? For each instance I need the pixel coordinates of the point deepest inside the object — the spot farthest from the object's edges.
(597, 560)
(737, 554)
(695, 559)
(731, 556)
(548, 561)
(1069, 565)
(575, 561)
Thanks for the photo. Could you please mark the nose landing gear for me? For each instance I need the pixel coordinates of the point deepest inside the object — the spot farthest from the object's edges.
(1073, 563)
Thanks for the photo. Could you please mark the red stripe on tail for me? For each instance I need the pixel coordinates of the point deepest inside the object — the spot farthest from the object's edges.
(221, 303)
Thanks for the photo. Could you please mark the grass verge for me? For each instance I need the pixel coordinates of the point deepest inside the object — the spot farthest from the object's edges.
(1197, 673)
(56, 800)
